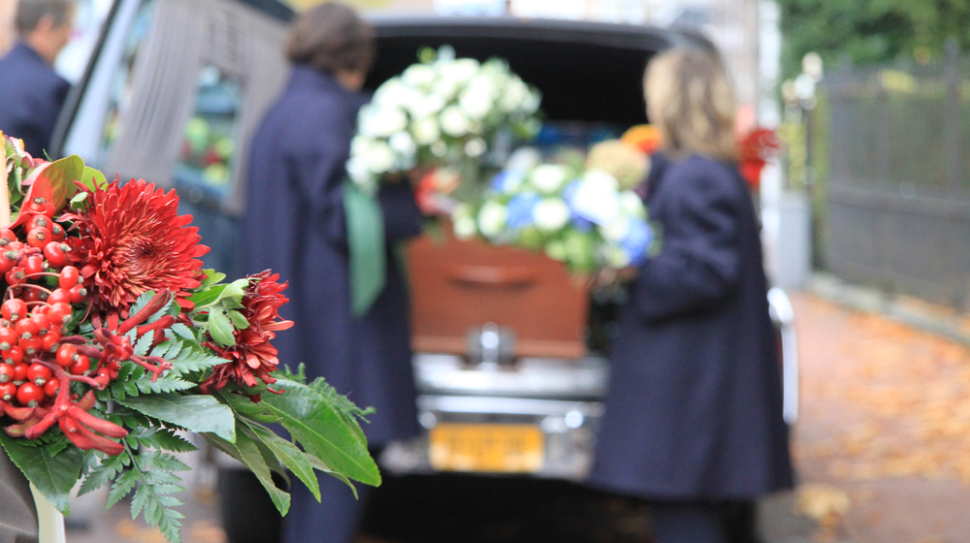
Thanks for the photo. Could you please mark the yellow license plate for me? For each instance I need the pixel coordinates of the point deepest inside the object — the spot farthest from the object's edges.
(501, 448)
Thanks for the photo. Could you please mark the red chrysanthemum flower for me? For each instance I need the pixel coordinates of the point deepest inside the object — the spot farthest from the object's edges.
(132, 240)
(252, 357)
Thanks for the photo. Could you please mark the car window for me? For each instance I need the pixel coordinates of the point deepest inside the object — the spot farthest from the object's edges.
(204, 165)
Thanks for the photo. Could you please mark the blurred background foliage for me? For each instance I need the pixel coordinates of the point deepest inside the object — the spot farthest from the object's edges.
(870, 31)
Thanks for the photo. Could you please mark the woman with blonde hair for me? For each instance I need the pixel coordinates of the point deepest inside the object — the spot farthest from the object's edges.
(693, 420)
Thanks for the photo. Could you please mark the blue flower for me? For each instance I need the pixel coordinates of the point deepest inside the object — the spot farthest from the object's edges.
(498, 182)
(637, 241)
(520, 209)
(569, 194)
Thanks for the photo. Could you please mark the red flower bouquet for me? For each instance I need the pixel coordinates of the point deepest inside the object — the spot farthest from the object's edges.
(113, 339)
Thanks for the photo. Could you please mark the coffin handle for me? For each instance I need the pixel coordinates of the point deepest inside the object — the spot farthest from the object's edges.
(491, 276)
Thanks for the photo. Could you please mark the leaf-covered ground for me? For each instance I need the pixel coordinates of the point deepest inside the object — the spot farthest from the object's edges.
(886, 419)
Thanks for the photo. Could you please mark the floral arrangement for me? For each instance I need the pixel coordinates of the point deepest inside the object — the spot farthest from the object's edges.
(580, 216)
(441, 112)
(114, 339)
(754, 151)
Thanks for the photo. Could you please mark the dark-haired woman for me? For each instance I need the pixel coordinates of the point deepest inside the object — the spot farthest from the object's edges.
(296, 224)
(694, 416)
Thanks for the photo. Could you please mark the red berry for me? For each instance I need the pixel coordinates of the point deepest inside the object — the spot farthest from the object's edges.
(79, 366)
(32, 345)
(20, 372)
(26, 328)
(15, 276)
(6, 373)
(67, 355)
(8, 338)
(30, 295)
(42, 321)
(57, 232)
(34, 265)
(38, 373)
(8, 391)
(60, 313)
(60, 295)
(13, 309)
(38, 221)
(15, 245)
(6, 237)
(78, 294)
(13, 356)
(51, 342)
(56, 253)
(38, 237)
(8, 259)
(68, 277)
(51, 388)
(30, 394)
(41, 206)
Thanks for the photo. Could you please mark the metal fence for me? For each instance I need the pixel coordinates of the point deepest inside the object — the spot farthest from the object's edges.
(897, 156)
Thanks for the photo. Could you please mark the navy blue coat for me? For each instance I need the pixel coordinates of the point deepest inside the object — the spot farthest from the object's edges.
(695, 407)
(295, 225)
(31, 96)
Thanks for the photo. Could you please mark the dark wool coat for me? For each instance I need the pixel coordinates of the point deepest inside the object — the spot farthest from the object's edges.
(295, 225)
(31, 97)
(695, 405)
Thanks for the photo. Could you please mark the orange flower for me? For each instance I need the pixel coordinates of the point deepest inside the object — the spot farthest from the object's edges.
(252, 356)
(132, 240)
(644, 137)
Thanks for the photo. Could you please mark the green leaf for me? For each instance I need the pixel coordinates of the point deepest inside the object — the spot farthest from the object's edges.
(144, 343)
(191, 360)
(160, 461)
(122, 486)
(77, 202)
(289, 454)
(202, 414)
(183, 331)
(212, 278)
(54, 476)
(246, 451)
(61, 174)
(162, 385)
(238, 320)
(208, 296)
(166, 439)
(103, 474)
(221, 328)
(93, 179)
(320, 423)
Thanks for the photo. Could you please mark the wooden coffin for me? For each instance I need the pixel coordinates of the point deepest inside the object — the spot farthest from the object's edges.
(462, 285)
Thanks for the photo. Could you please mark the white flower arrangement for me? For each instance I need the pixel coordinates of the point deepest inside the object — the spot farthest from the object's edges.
(581, 217)
(440, 112)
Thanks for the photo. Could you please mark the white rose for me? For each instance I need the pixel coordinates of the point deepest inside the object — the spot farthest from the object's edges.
(439, 148)
(632, 205)
(403, 144)
(431, 104)
(460, 71)
(476, 102)
(357, 171)
(514, 94)
(454, 122)
(382, 122)
(419, 75)
(426, 131)
(596, 198)
(491, 219)
(447, 89)
(550, 214)
(464, 228)
(476, 147)
(524, 159)
(549, 178)
(379, 157)
(616, 230)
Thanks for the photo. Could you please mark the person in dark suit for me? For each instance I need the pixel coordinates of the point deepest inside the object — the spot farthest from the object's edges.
(31, 93)
(693, 419)
(295, 223)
